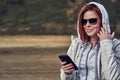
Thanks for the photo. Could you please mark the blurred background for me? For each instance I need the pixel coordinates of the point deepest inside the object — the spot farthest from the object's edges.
(34, 32)
(39, 17)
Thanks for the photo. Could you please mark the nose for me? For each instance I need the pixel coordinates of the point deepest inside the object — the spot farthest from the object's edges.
(88, 24)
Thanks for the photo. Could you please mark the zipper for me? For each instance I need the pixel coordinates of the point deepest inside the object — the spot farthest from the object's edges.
(87, 61)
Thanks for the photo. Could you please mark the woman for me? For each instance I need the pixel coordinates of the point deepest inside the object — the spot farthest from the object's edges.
(96, 52)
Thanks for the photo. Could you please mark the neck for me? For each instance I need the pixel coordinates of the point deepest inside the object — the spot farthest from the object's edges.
(94, 40)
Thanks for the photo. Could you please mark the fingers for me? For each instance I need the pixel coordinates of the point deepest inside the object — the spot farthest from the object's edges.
(105, 28)
(113, 34)
(104, 33)
(67, 68)
(98, 35)
(63, 63)
(102, 30)
(69, 71)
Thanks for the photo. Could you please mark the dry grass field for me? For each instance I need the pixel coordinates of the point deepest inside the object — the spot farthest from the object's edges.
(31, 57)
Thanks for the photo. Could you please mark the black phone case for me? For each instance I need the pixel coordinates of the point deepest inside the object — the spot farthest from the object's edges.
(68, 60)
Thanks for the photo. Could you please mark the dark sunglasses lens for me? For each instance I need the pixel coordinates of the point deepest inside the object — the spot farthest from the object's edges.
(93, 21)
(84, 21)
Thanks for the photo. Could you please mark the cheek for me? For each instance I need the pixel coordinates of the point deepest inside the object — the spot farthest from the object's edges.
(99, 26)
(98, 29)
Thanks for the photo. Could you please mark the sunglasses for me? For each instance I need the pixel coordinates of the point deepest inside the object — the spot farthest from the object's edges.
(92, 21)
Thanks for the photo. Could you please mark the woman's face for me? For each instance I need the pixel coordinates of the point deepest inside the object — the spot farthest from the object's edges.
(91, 23)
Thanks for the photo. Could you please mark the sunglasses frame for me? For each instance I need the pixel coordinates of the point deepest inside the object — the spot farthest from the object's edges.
(92, 21)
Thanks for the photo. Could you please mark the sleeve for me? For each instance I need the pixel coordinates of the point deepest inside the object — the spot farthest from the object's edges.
(70, 52)
(110, 59)
(67, 76)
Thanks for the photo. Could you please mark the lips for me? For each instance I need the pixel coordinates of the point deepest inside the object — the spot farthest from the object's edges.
(89, 30)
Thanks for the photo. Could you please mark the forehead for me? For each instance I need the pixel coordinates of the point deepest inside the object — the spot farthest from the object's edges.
(90, 14)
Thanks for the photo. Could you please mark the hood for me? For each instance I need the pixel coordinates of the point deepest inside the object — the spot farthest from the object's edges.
(105, 18)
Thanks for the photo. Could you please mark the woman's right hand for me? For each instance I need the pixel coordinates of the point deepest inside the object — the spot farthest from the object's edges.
(67, 68)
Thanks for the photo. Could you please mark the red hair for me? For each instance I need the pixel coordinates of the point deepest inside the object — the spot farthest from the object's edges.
(84, 37)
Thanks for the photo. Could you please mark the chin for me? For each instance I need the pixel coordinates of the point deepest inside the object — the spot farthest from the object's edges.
(91, 34)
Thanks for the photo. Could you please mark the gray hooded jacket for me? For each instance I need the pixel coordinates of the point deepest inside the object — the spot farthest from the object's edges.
(108, 58)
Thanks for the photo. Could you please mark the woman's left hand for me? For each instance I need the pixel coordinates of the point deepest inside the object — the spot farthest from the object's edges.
(104, 34)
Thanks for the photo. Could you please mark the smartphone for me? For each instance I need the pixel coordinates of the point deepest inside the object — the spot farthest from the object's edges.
(68, 60)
